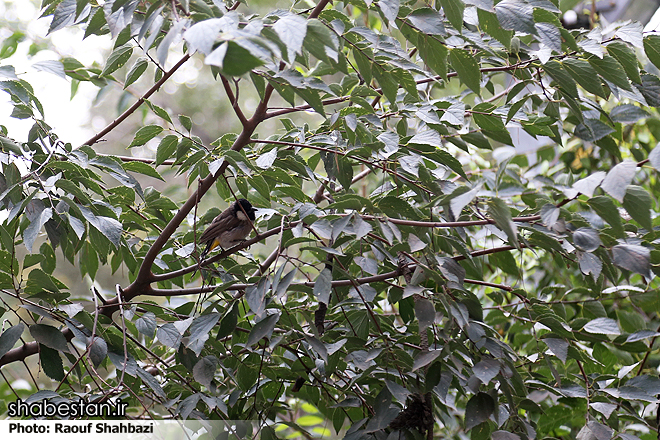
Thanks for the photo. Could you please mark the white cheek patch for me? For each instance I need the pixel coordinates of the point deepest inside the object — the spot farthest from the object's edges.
(241, 215)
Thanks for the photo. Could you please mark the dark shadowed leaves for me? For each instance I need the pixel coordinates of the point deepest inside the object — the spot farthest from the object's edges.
(558, 347)
(204, 370)
(586, 239)
(98, 350)
(590, 264)
(628, 113)
(637, 202)
(323, 285)
(634, 258)
(51, 362)
(425, 312)
(516, 15)
(478, 410)
(486, 370)
(9, 338)
(501, 213)
(263, 328)
(49, 336)
(592, 130)
(650, 89)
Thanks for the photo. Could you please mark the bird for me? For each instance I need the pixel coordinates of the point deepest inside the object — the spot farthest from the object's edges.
(229, 228)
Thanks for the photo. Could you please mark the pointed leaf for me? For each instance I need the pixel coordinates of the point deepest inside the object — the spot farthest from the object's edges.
(586, 239)
(637, 202)
(602, 326)
(9, 338)
(478, 410)
(634, 258)
(49, 336)
(486, 370)
(618, 178)
(467, 69)
(263, 329)
(501, 213)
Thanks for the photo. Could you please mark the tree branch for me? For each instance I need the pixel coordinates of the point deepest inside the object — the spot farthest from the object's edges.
(233, 99)
(129, 111)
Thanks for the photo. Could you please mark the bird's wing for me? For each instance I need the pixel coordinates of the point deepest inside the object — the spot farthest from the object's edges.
(223, 222)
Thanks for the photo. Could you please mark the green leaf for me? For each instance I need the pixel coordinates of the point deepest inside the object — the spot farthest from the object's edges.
(428, 21)
(627, 58)
(233, 59)
(228, 322)
(9, 337)
(585, 75)
(204, 370)
(98, 350)
(389, 9)
(634, 258)
(263, 329)
(117, 59)
(453, 9)
(186, 121)
(95, 26)
(609, 68)
(145, 134)
(650, 89)
(166, 148)
(586, 239)
(516, 15)
(323, 286)
(561, 77)
(491, 125)
(151, 382)
(109, 227)
(467, 69)
(628, 114)
(168, 335)
(607, 210)
(478, 409)
(652, 49)
(136, 71)
(637, 202)
(396, 207)
(41, 217)
(549, 35)
(51, 362)
(489, 22)
(501, 213)
(160, 112)
(486, 370)
(49, 336)
(143, 168)
(65, 15)
(201, 325)
(146, 324)
(434, 53)
(291, 29)
(319, 41)
(387, 83)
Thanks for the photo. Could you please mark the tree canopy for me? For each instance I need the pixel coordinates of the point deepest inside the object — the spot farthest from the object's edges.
(455, 235)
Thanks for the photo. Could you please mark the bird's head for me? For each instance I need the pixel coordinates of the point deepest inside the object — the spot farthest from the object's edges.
(241, 206)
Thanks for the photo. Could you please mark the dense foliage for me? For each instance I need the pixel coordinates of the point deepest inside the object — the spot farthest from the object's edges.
(455, 235)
